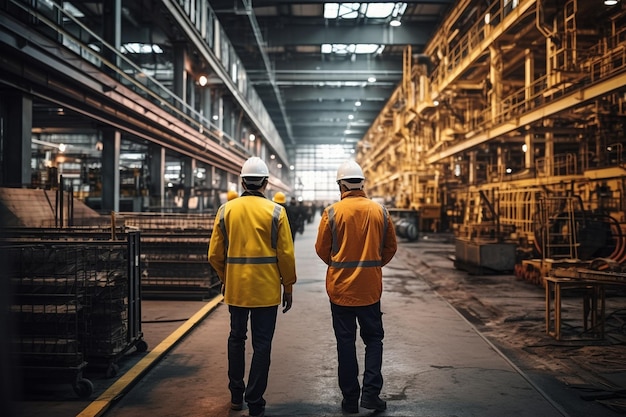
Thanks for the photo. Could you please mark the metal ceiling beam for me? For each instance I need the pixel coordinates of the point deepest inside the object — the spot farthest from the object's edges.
(369, 93)
(417, 34)
(322, 140)
(224, 4)
(330, 83)
(327, 141)
(334, 106)
(329, 131)
(329, 114)
(332, 80)
(360, 125)
(389, 69)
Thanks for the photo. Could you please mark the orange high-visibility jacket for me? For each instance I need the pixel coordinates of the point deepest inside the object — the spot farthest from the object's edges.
(356, 238)
(252, 251)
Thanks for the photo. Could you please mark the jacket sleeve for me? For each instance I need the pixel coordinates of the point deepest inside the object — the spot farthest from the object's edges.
(390, 245)
(323, 244)
(286, 254)
(217, 250)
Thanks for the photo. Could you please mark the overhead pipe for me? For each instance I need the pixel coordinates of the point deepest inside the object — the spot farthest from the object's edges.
(539, 21)
(266, 61)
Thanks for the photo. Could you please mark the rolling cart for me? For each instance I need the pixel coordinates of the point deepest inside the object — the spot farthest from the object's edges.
(77, 303)
(113, 302)
(47, 309)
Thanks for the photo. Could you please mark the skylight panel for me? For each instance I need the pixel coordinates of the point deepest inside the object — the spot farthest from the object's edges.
(365, 48)
(344, 49)
(141, 48)
(379, 10)
(348, 10)
(343, 10)
(331, 10)
(369, 10)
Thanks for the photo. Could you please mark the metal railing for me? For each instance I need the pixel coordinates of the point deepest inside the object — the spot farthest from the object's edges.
(54, 22)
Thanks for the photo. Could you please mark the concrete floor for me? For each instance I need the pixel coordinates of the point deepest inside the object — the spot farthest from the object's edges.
(436, 364)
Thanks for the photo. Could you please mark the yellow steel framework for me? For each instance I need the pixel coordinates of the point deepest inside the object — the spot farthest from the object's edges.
(513, 97)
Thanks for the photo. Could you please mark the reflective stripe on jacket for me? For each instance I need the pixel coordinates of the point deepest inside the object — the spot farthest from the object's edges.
(356, 238)
(252, 251)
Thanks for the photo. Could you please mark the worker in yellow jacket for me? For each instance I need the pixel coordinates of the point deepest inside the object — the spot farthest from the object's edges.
(252, 252)
(356, 238)
(231, 195)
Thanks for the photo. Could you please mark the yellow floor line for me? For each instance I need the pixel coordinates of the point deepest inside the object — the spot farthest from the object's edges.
(119, 387)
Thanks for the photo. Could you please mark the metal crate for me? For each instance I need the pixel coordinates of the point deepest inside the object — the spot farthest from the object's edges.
(174, 254)
(75, 297)
(48, 308)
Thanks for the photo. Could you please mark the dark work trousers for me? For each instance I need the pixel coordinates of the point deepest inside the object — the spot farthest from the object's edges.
(371, 329)
(262, 325)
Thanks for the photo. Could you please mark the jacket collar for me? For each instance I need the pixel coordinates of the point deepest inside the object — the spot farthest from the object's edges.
(254, 193)
(353, 193)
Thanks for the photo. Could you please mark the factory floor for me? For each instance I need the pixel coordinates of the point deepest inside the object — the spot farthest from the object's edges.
(436, 363)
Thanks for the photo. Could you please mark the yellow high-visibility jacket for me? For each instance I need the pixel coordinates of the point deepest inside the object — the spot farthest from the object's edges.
(252, 251)
(355, 238)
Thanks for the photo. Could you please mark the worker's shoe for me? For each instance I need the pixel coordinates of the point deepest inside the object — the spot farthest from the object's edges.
(236, 406)
(260, 414)
(374, 403)
(350, 407)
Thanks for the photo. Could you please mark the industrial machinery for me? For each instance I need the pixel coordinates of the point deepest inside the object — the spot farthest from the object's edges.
(565, 221)
(406, 223)
(508, 129)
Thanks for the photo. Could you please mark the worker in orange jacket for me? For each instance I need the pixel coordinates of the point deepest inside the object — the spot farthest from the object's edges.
(356, 238)
(253, 254)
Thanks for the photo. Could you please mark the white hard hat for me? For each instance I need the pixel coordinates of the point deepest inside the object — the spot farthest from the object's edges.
(350, 170)
(350, 175)
(254, 171)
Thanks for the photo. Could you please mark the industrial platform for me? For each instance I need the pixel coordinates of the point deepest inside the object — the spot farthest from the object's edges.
(436, 363)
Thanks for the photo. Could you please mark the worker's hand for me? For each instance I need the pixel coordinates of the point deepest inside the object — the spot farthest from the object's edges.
(287, 300)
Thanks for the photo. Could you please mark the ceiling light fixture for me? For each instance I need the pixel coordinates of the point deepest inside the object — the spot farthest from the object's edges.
(610, 2)
(395, 22)
(371, 79)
